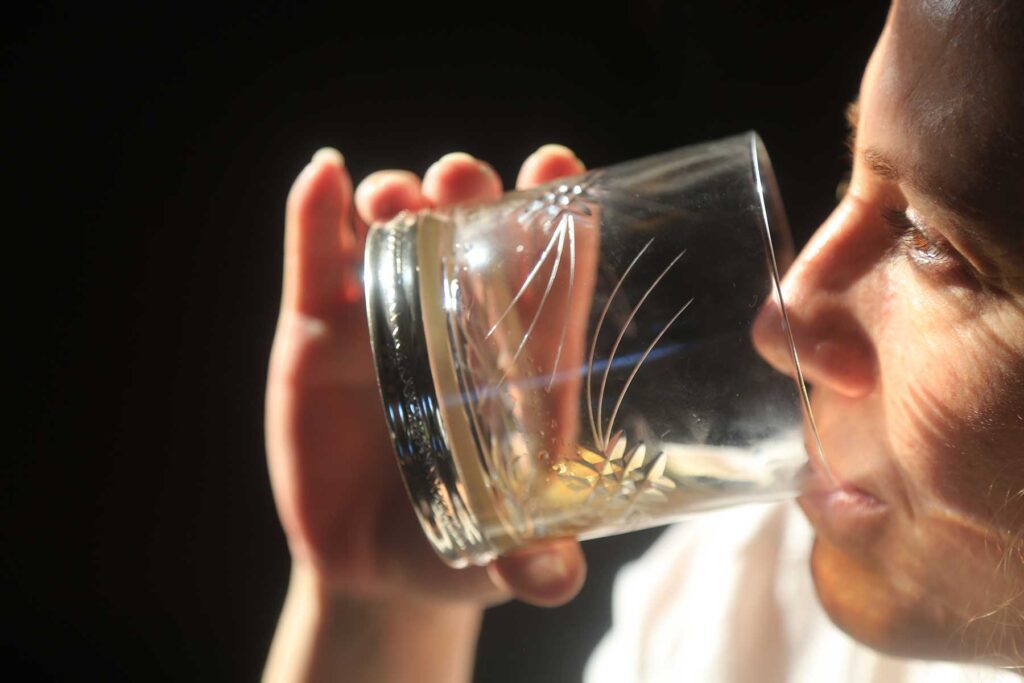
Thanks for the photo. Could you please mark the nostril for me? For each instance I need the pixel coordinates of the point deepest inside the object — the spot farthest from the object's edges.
(834, 351)
(832, 347)
(846, 364)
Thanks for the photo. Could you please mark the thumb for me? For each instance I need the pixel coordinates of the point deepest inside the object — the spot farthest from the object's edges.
(547, 574)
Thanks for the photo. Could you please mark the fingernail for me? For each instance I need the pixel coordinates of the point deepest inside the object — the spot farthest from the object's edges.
(455, 156)
(546, 569)
(330, 155)
(560, 149)
(463, 156)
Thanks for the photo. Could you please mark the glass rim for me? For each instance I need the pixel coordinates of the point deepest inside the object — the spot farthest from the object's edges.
(770, 198)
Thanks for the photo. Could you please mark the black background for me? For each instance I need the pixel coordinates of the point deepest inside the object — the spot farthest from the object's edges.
(148, 156)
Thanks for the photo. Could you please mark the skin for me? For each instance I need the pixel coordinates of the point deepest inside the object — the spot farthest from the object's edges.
(912, 336)
(368, 596)
(908, 310)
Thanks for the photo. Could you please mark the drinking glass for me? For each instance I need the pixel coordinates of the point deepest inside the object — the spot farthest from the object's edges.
(576, 359)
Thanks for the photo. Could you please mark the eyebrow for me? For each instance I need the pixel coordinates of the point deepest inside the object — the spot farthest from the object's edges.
(890, 168)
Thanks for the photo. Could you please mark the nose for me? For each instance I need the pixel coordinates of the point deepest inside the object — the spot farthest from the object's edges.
(830, 296)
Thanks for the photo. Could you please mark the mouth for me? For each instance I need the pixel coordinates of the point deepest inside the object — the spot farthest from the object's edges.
(843, 512)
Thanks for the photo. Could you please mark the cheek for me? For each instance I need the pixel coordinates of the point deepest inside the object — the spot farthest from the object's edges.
(954, 389)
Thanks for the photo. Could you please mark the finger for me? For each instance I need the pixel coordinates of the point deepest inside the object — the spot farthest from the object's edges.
(547, 575)
(318, 237)
(556, 344)
(384, 194)
(548, 163)
(459, 177)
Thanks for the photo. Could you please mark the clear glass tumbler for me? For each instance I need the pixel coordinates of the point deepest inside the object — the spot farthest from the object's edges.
(576, 359)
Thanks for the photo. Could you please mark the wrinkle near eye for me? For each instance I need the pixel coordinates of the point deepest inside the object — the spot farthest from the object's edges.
(994, 262)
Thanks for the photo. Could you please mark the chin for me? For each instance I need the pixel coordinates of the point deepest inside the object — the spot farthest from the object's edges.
(860, 598)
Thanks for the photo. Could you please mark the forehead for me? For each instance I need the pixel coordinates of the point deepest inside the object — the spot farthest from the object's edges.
(945, 90)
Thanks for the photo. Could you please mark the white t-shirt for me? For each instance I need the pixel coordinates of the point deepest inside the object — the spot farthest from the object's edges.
(728, 598)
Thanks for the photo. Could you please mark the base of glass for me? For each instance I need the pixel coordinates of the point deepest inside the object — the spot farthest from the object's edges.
(412, 407)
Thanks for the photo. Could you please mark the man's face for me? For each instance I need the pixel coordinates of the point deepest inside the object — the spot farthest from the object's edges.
(908, 308)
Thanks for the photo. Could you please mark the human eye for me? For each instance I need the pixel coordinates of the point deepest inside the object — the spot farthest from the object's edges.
(926, 247)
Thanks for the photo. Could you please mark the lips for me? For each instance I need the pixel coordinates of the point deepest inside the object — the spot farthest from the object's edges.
(843, 512)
